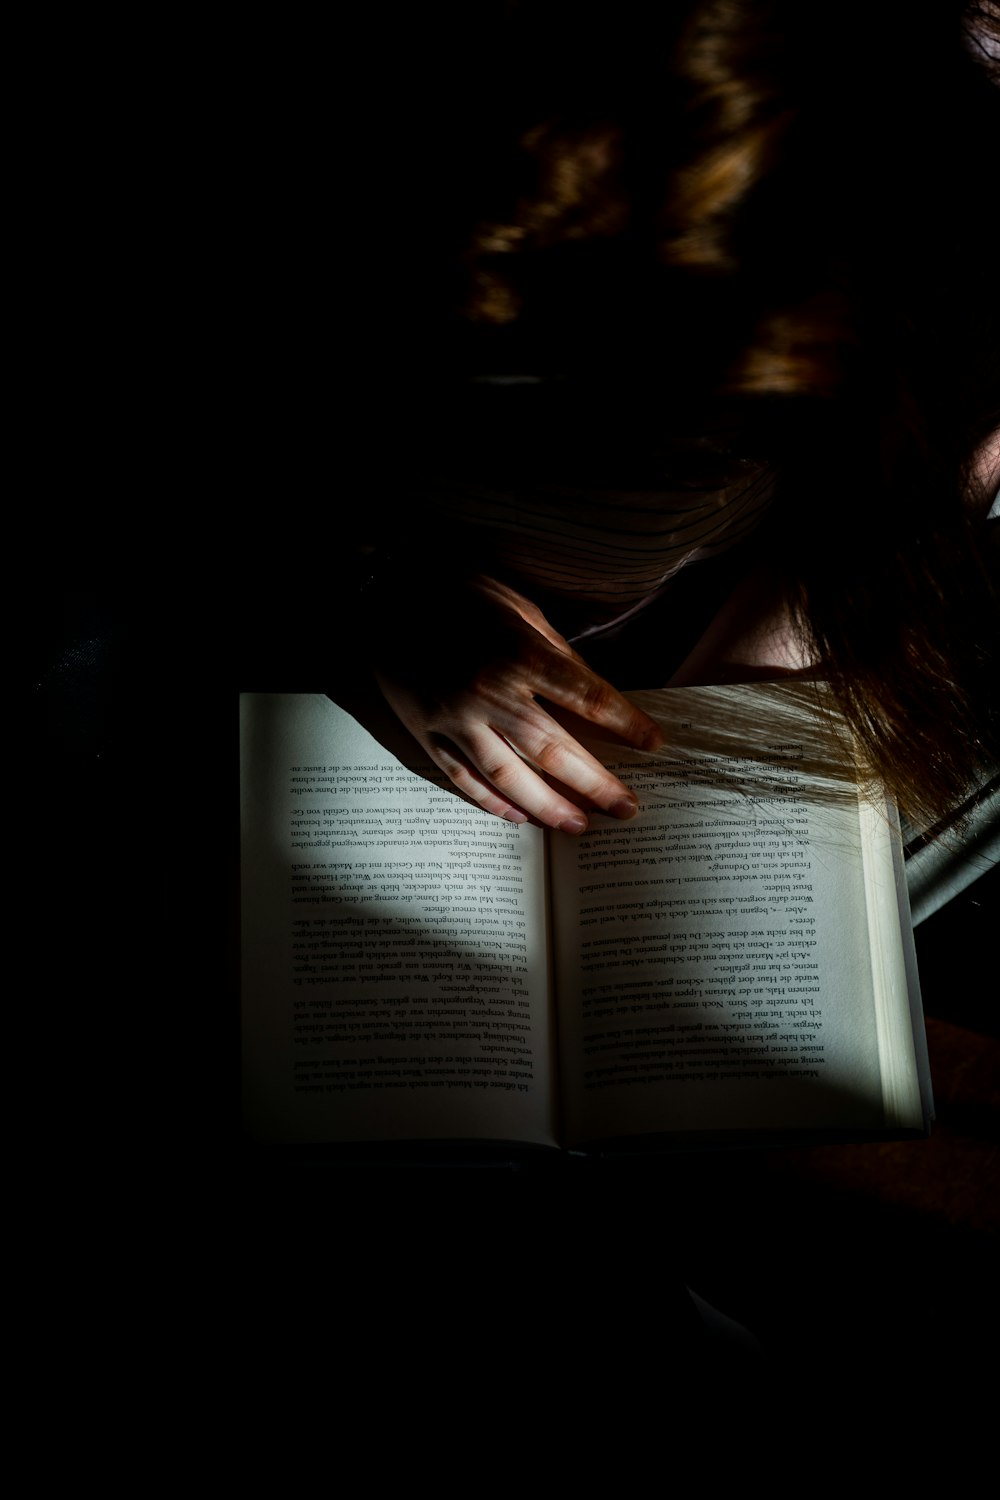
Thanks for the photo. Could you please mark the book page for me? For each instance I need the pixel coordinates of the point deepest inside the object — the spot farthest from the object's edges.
(713, 962)
(395, 966)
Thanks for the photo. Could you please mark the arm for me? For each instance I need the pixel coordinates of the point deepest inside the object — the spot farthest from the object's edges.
(464, 666)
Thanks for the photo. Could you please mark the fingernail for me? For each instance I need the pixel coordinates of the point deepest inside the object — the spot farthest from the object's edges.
(625, 807)
(515, 817)
(573, 825)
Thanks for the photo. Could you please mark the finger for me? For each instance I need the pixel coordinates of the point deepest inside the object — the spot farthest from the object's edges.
(571, 684)
(469, 783)
(487, 758)
(550, 749)
(567, 775)
(449, 757)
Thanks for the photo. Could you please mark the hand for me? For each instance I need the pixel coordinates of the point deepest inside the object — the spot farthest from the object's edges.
(463, 669)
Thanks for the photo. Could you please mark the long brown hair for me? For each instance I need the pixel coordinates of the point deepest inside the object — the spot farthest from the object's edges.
(775, 217)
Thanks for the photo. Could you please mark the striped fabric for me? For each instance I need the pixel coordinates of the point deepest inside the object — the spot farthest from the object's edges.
(602, 554)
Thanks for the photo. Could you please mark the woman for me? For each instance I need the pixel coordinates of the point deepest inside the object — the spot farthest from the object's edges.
(715, 352)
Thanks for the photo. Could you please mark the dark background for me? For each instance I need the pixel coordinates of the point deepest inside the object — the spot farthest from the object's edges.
(188, 408)
(821, 1252)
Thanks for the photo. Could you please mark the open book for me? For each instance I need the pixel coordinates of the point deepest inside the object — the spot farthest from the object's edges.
(734, 963)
